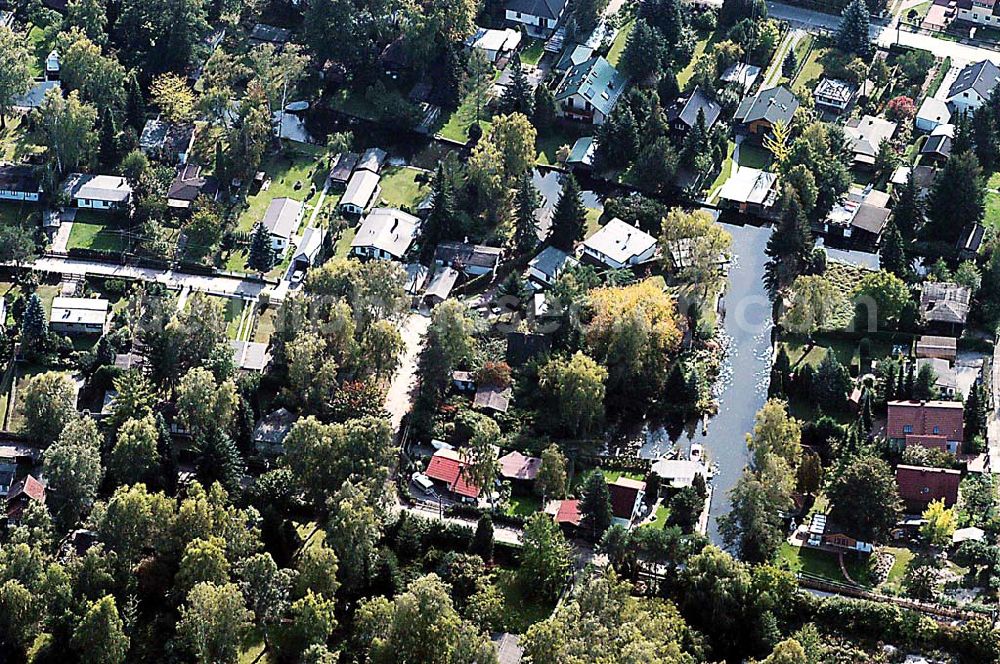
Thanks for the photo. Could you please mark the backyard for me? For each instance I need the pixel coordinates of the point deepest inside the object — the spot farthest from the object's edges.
(812, 69)
(618, 45)
(290, 171)
(476, 103)
(705, 40)
(823, 564)
(404, 187)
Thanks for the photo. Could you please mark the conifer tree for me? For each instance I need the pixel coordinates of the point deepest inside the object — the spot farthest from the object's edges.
(517, 97)
(261, 256)
(595, 505)
(135, 105)
(526, 202)
(908, 213)
(442, 222)
(790, 65)
(790, 246)
(544, 107)
(34, 325)
(854, 34)
(892, 253)
(568, 217)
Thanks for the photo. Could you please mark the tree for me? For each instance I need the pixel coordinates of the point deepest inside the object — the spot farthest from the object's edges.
(865, 498)
(884, 292)
(480, 454)
(545, 556)
(311, 621)
(569, 216)
(777, 142)
(790, 65)
(854, 36)
(551, 479)
(595, 505)
(925, 385)
(831, 383)
(976, 411)
(317, 569)
(788, 651)
(544, 105)
(901, 109)
(65, 125)
(49, 405)
(203, 561)
(73, 464)
(261, 254)
(575, 388)
(734, 11)
(754, 525)
(204, 404)
(213, 623)
(99, 79)
(526, 202)
(517, 97)
(775, 432)
(353, 529)
(34, 323)
(586, 14)
(420, 625)
(163, 35)
(908, 213)
(135, 454)
(816, 302)
(960, 195)
(644, 53)
(15, 70)
(20, 616)
(279, 71)
(90, 17)
(790, 246)
(940, 524)
(892, 252)
(482, 541)
(100, 636)
(656, 165)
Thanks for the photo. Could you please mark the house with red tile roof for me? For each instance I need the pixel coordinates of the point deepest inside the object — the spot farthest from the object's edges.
(626, 498)
(22, 492)
(517, 467)
(933, 424)
(566, 513)
(447, 469)
(918, 486)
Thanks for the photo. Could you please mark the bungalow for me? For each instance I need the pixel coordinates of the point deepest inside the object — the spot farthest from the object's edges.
(682, 116)
(269, 434)
(362, 189)
(566, 514)
(834, 95)
(263, 33)
(581, 155)
(308, 249)
(936, 424)
(282, 220)
(750, 191)
(862, 215)
(932, 114)
(343, 166)
(919, 486)
(546, 267)
(519, 469)
(945, 305)
(440, 285)
(865, 136)
(472, 259)
(539, 18)
(492, 397)
(945, 348)
(495, 44)
(188, 185)
(20, 183)
(167, 141)
(757, 115)
(973, 87)
(386, 233)
(741, 75)
(34, 97)
(372, 160)
(79, 315)
(618, 245)
(626, 499)
(937, 148)
(98, 192)
(678, 473)
(250, 356)
(23, 492)
(590, 90)
(447, 469)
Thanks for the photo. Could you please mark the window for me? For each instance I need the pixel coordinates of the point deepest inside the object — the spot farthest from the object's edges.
(937, 430)
(925, 490)
(907, 428)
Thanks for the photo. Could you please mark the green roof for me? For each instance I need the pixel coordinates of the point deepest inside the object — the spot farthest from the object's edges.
(597, 81)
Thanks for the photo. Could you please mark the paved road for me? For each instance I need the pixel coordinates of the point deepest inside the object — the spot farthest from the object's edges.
(399, 398)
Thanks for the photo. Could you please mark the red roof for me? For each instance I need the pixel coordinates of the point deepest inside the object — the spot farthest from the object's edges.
(930, 442)
(919, 485)
(624, 494)
(569, 513)
(516, 466)
(29, 487)
(448, 466)
(926, 418)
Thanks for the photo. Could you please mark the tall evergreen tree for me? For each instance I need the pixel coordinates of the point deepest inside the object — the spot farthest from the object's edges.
(442, 222)
(569, 216)
(34, 325)
(617, 139)
(526, 202)
(975, 411)
(261, 255)
(984, 132)
(790, 64)
(790, 246)
(892, 253)
(958, 198)
(108, 133)
(544, 107)
(963, 140)
(595, 505)
(667, 16)
(854, 35)
(696, 140)
(908, 213)
(517, 97)
(135, 105)
(645, 52)
(734, 11)
(168, 455)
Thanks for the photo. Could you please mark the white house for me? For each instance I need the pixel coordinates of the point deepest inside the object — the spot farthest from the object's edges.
(362, 189)
(539, 17)
(835, 95)
(932, 114)
(98, 192)
(386, 233)
(308, 249)
(589, 91)
(19, 183)
(973, 86)
(546, 267)
(79, 315)
(282, 220)
(983, 12)
(619, 245)
(494, 43)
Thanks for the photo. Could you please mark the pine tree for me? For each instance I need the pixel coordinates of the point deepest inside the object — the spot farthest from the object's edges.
(908, 213)
(984, 131)
(34, 325)
(975, 412)
(617, 139)
(218, 460)
(667, 16)
(963, 140)
(482, 541)
(854, 34)
(790, 65)
(442, 222)
(168, 455)
(568, 217)
(867, 417)
(694, 142)
(261, 256)
(911, 379)
(734, 11)
(958, 198)
(108, 132)
(526, 202)
(901, 384)
(892, 253)
(595, 505)
(517, 97)
(790, 246)
(544, 107)
(135, 106)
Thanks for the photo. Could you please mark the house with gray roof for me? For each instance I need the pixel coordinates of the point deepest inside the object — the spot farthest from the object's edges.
(835, 95)
(282, 220)
(945, 306)
(546, 267)
(683, 114)
(386, 233)
(973, 86)
(539, 18)
(865, 136)
(590, 90)
(757, 115)
(98, 192)
(33, 98)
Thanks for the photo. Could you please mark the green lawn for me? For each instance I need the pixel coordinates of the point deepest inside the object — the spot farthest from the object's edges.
(523, 505)
(899, 566)
(992, 216)
(303, 165)
(14, 213)
(521, 610)
(812, 71)
(15, 140)
(660, 522)
(343, 246)
(353, 102)
(40, 49)
(802, 47)
(823, 564)
(754, 156)
(533, 52)
(233, 313)
(593, 222)
(727, 168)
(96, 230)
(618, 45)
(705, 40)
(457, 126)
(265, 326)
(549, 142)
(401, 189)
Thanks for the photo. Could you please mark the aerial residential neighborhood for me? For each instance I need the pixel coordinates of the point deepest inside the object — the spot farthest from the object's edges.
(486, 332)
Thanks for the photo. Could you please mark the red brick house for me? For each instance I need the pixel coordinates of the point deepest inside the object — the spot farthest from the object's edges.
(933, 424)
(918, 486)
(447, 469)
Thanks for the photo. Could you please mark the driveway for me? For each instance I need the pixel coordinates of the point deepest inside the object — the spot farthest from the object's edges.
(399, 398)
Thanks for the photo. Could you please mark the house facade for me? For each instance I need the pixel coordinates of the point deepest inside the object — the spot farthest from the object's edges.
(98, 192)
(589, 91)
(973, 87)
(20, 183)
(934, 424)
(539, 18)
(834, 95)
(919, 486)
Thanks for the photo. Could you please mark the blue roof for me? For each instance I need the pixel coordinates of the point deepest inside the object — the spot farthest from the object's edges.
(597, 81)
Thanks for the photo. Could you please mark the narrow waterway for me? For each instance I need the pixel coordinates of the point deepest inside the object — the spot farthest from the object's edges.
(742, 386)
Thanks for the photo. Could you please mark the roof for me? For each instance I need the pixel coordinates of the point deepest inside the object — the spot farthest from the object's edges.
(448, 466)
(250, 355)
(624, 494)
(550, 261)
(835, 90)
(979, 76)
(509, 650)
(742, 73)
(569, 512)
(371, 160)
(597, 81)
(934, 110)
(866, 134)
(945, 302)
(273, 428)
(582, 151)
(936, 418)
(110, 188)
(686, 110)
(33, 98)
(270, 33)
(465, 255)
(523, 347)
(921, 485)
(543, 8)
(387, 229)
(965, 534)
(312, 240)
(20, 178)
(946, 376)
(79, 310)
(442, 282)
(750, 185)
(27, 486)
(679, 472)
(493, 398)
(282, 217)
(620, 241)
(344, 166)
(939, 144)
(494, 40)
(871, 218)
(928, 345)
(574, 56)
(772, 105)
(360, 188)
(158, 134)
(189, 184)
(971, 239)
(516, 466)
